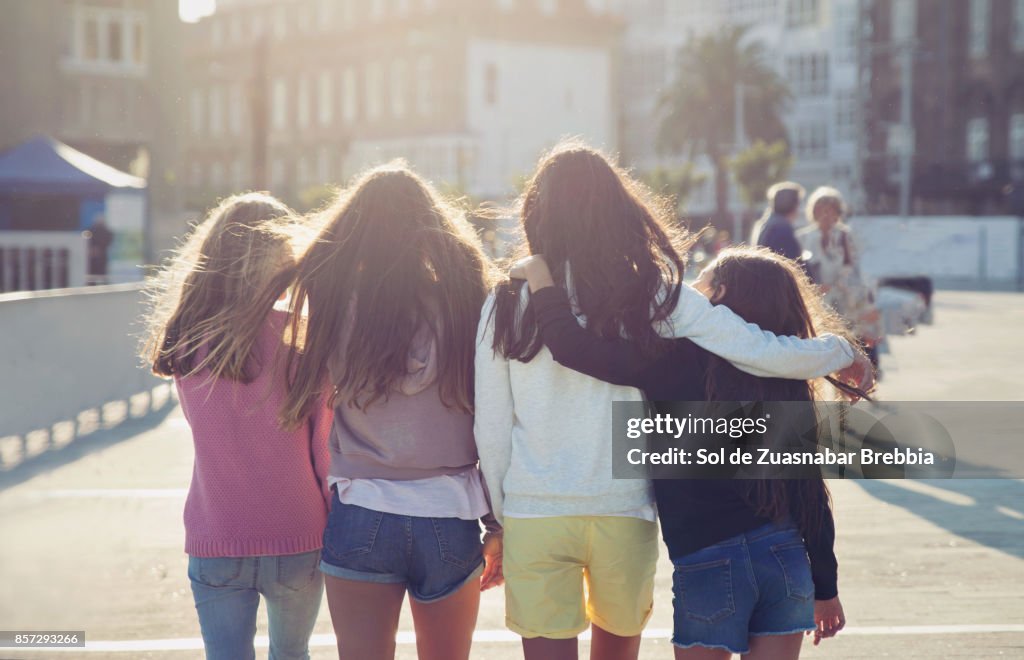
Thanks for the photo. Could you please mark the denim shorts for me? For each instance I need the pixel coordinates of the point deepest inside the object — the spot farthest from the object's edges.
(756, 583)
(433, 557)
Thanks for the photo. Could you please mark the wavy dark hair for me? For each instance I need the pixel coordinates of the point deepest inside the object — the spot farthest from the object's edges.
(392, 256)
(775, 293)
(608, 235)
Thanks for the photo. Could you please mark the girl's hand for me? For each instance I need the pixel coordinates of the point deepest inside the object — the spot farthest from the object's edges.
(860, 374)
(829, 619)
(534, 270)
(492, 575)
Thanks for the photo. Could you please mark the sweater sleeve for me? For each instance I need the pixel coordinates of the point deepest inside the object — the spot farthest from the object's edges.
(718, 329)
(821, 552)
(616, 361)
(492, 423)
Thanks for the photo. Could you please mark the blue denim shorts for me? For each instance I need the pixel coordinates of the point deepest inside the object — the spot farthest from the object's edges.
(757, 583)
(433, 557)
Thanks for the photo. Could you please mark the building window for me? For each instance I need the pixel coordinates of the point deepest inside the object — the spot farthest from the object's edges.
(280, 22)
(279, 105)
(811, 141)
(324, 99)
(196, 111)
(979, 17)
(807, 74)
(302, 103)
(1017, 137)
(491, 83)
(105, 36)
(800, 13)
(236, 108)
(374, 84)
(349, 100)
(1018, 25)
(903, 20)
(425, 86)
(846, 115)
(216, 108)
(399, 83)
(977, 139)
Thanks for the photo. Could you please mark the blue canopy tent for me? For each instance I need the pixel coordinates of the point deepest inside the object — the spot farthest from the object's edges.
(47, 185)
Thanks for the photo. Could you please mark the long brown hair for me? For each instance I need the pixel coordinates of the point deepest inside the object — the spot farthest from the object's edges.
(776, 294)
(209, 303)
(392, 256)
(610, 236)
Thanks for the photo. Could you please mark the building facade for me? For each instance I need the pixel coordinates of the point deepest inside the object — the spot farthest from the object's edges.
(101, 76)
(297, 94)
(812, 44)
(966, 140)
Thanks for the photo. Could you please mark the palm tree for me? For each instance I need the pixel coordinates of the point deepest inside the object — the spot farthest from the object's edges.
(698, 109)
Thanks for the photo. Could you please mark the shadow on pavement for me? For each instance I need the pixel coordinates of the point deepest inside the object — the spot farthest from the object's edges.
(84, 444)
(989, 512)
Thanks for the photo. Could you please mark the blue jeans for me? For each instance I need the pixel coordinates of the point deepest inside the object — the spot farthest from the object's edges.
(227, 593)
(432, 557)
(756, 583)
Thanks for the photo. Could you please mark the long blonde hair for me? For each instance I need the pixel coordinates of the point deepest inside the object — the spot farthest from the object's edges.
(391, 256)
(209, 303)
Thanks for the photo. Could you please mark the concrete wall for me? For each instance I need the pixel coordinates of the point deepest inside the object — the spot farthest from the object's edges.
(65, 351)
(950, 249)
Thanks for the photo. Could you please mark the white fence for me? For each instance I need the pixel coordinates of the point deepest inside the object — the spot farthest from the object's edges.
(63, 352)
(37, 260)
(949, 249)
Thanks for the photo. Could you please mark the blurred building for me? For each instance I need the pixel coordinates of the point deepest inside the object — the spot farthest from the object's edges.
(293, 94)
(812, 44)
(101, 76)
(966, 60)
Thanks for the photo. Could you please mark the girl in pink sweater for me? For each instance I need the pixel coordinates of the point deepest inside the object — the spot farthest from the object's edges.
(256, 507)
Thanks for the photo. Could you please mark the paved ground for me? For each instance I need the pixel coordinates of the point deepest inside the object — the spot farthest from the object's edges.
(928, 570)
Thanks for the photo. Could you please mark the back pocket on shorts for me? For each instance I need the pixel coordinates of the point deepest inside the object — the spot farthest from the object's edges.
(705, 590)
(351, 530)
(796, 567)
(458, 541)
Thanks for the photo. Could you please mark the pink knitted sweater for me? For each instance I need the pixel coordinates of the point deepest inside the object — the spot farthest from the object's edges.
(256, 489)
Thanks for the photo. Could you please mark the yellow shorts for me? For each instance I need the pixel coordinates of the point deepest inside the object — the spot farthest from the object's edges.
(547, 562)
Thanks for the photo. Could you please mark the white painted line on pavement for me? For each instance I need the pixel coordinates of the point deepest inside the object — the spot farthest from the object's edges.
(112, 493)
(507, 636)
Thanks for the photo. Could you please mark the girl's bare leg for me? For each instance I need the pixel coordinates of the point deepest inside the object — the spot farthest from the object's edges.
(775, 647)
(444, 629)
(365, 617)
(606, 646)
(701, 653)
(542, 648)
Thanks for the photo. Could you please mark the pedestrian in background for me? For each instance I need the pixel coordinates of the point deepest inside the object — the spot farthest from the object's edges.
(833, 260)
(98, 238)
(775, 229)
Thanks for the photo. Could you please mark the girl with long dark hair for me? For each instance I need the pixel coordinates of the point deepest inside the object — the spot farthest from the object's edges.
(754, 562)
(386, 303)
(542, 429)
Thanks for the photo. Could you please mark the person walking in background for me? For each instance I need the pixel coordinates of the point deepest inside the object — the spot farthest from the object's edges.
(834, 265)
(394, 283)
(775, 230)
(98, 238)
(257, 503)
(580, 546)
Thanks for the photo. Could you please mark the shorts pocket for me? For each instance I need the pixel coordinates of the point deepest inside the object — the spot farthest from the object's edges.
(796, 568)
(215, 571)
(705, 590)
(458, 541)
(297, 572)
(351, 530)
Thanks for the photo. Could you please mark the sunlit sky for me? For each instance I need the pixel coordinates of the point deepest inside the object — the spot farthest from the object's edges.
(193, 10)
